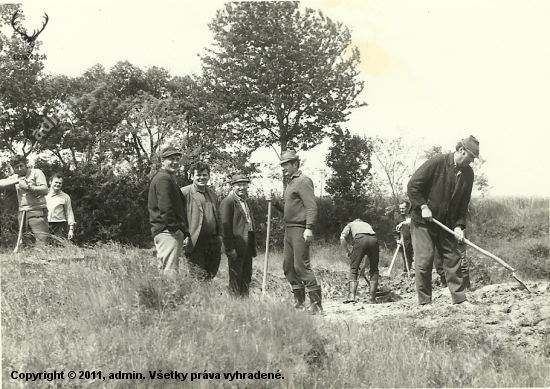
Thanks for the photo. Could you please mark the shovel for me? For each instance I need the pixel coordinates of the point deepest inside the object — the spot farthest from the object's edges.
(486, 253)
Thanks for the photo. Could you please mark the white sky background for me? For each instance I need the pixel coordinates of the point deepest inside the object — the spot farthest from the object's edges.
(435, 71)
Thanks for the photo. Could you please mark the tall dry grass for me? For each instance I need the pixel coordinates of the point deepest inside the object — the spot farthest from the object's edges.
(514, 229)
(110, 312)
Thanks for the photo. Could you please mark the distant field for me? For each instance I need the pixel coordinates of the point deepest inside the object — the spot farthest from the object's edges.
(110, 312)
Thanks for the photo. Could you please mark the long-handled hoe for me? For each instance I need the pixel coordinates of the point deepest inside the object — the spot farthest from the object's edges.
(20, 236)
(486, 253)
(266, 246)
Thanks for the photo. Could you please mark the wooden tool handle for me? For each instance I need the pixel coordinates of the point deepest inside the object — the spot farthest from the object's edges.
(267, 245)
(475, 247)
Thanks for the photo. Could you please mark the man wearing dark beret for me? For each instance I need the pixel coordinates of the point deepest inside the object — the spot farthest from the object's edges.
(167, 213)
(441, 189)
(239, 238)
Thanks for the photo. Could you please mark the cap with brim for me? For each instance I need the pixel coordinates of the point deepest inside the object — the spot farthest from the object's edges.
(169, 151)
(239, 178)
(288, 155)
(471, 145)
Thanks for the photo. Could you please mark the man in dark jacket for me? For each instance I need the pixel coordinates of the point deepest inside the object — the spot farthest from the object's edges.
(202, 214)
(238, 236)
(167, 213)
(441, 189)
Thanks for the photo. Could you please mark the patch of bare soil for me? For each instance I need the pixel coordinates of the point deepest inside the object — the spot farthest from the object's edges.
(504, 310)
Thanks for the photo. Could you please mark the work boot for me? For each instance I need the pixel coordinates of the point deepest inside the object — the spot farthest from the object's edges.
(315, 297)
(299, 298)
(466, 282)
(373, 287)
(352, 294)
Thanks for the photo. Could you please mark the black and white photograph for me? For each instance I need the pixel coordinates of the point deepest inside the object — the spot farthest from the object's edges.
(275, 194)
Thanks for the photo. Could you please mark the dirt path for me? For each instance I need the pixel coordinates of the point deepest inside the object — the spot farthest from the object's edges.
(502, 309)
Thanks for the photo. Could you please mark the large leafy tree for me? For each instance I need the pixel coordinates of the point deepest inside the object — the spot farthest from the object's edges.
(123, 117)
(23, 89)
(349, 158)
(289, 78)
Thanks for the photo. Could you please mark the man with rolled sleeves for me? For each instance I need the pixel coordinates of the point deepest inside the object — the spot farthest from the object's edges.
(441, 189)
(403, 229)
(32, 188)
(239, 238)
(167, 213)
(300, 215)
(203, 218)
(364, 243)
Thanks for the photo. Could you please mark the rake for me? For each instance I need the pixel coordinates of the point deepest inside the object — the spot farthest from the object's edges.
(486, 253)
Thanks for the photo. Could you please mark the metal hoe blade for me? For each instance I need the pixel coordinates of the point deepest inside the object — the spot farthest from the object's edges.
(521, 282)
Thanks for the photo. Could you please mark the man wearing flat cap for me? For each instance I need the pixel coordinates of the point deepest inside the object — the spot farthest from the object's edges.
(440, 189)
(167, 213)
(238, 236)
(300, 215)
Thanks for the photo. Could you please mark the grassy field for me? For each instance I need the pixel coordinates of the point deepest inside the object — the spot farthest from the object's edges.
(111, 313)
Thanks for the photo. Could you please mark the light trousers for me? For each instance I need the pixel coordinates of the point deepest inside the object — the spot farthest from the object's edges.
(169, 247)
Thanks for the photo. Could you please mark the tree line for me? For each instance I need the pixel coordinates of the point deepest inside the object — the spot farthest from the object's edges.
(275, 76)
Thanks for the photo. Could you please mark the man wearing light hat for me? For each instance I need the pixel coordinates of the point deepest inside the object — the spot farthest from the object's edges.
(167, 213)
(441, 189)
(238, 236)
(300, 215)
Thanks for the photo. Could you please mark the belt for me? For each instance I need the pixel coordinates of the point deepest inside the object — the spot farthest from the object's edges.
(363, 233)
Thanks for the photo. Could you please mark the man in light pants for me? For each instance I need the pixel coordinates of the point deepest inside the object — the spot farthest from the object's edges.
(167, 213)
(31, 189)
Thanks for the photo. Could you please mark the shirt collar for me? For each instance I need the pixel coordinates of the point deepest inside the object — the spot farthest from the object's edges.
(297, 174)
(198, 189)
(451, 163)
(238, 197)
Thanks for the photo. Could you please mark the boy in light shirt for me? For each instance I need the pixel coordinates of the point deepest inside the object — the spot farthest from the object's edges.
(60, 211)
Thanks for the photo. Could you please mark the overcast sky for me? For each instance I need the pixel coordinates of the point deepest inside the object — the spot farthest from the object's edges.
(436, 71)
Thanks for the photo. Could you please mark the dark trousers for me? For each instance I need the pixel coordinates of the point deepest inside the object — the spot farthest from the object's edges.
(425, 240)
(204, 260)
(240, 269)
(408, 251)
(296, 262)
(464, 266)
(59, 229)
(364, 244)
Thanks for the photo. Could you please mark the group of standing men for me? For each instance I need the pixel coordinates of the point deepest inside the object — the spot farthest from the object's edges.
(191, 220)
(43, 212)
